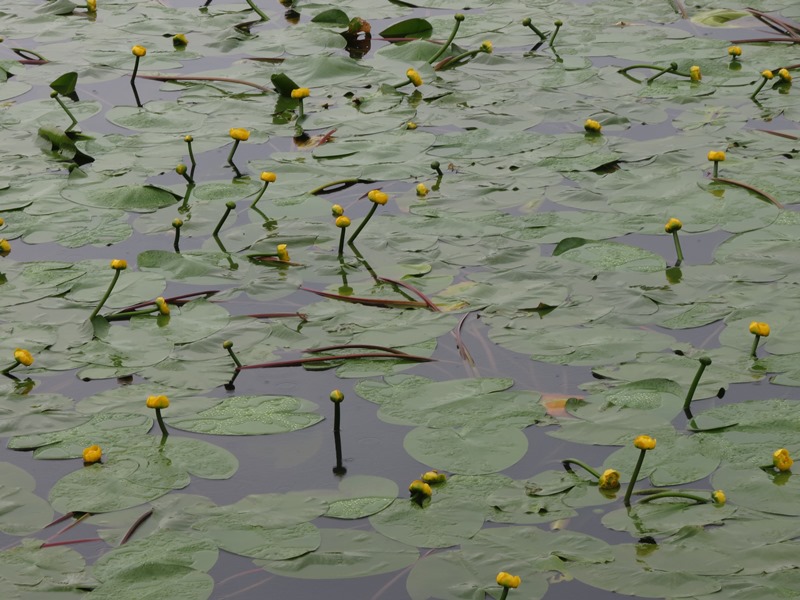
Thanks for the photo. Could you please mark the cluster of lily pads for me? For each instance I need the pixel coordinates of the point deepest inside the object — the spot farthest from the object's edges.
(523, 186)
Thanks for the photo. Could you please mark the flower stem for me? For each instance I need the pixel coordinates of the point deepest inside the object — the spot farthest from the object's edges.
(177, 243)
(260, 193)
(437, 167)
(235, 358)
(257, 10)
(755, 346)
(229, 206)
(528, 23)
(127, 315)
(632, 482)
(463, 56)
(758, 89)
(678, 250)
(504, 594)
(337, 416)
(558, 25)
(704, 362)
(300, 111)
(672, 68)
(191, 155)
(160, 420)
(446, 45)
(348, 181)
(697, 499)
(8, 370)
(233, 151)
(716, 169)
(574, 461)
(188, 178)
(66, 110)
(135, 69)
(107, 294)
(363, 223)
(341, 240)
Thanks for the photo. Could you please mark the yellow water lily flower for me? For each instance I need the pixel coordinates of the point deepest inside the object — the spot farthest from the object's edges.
(162, 305)
(5, 247)
(23, 357)
(767, 74)
(781, 460)
(268, 177)
(336, 396)
(378, 197)
(486, 47)
(734, 51)
(91, 6)
(414, 77)
(92, 454)
(673, 225)
(507, 580)
(644, 442)
(411, 125)
(342, 222)
(239, 134)
(337, 210)
(188, 139)
(119, 264)
(434, 476)
(420, 488)
(179, 40)
(694, 73)
(422, 190)
(283, 252)
(785, 75)
(157, 402)
(761, 329)
(609, 480)
(300, 93)
(592, 126)
(180, 169)
(139, 51)
(716, 155)
(718, 496)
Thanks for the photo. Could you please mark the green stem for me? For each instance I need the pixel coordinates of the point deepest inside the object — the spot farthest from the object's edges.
(632, 482)
(656, 67)
(135, 69)
(558, 25)
(345, 181)
(716, 168)
(672, 68)
(758, 89)
(229, 206)
(505, 593)
(755, 346)
(574, 461)
(177, 242)
(127, 315)
(463, 56)
(449, 41)
(188, 178)
(8, 370)
(363, 223)
(341, 240)
(260, 193)
(300, 112)
(535, 29)
(191, 155)
(437, 167)
(678, 250)
(704, 362)
(23, 51)
(185, 204)
(652, 497)
(336, 416)
(233, 151)
(107, 294)
(235, 358)
(160, 420)
(66, 110)
(257, 10)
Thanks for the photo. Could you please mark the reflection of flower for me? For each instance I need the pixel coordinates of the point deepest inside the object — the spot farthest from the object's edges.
(157, 402)
(718, 497)
(609, 480)
(644, 442)
(342, 222)
(139, 51)
(716, 155)
(761, 329)
(735, 51)
(419, 488)
(673, 225)
(434, 476)
(23, 357)
(507, 580)
(414, 77)
(592, 126)
(92, 454)
(781, 460)
(300, 93)
(694, 73)
(119, 264)
(378, 197)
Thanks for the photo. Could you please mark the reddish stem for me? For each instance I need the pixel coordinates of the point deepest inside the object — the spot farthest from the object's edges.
(136, 526)
(428, 302)
(67, 542)
(367, 301)
(300, 361)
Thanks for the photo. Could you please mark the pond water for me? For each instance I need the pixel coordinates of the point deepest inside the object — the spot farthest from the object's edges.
(560, 327)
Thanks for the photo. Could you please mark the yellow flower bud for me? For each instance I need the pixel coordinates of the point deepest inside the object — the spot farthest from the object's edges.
(180, 169)
(162, 305)
(227, 344)
(91, 6)
(179, 40)
(734, 51)
(300, 93)
(378, 197)
(336, 396)
(337, 210)
(139, 51)
(92, 454)
(434, 476)
(283, 252)
(119, 264)
(716, 155)
(673, 225)
(507, 580)
(2, 221)
(188, 139)
(239, 134)
(268, 177)
(644, 442)
(23, 357)
(420, 488)
(718, 496)
(781, 460)
(694, 73)
(486, 47)
(767, 74)
(157, 402)
(609, 480)
(177, 223)
(785, 75)
(342, 222)
(761, 329)
(592, 126)
(5, 247)
(414, 77)
(411, 125)
(422, 190)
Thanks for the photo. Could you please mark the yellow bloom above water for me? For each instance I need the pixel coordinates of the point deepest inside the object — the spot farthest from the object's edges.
(23, 357)
(785, 75)
(337, 210)
(609, 480)
(239, 134)
(300, 93)
(411, 125)
(592, 126)
(716, 155)
(718, 496)
(91, 6)
(734, 51)
(694, 73)
(336, 396)
(422, 190)
(414, 77)
(767, 74)
(342, 222)
(119, 264)
(139, 51)
(180, 169)
(434, 476)
(378, 197)
(92, 454)
(781, 460)
(157, 402)
(4, 245)
(673, 225)
(188, 139)
(644, 442)
(268, 177)
(283, 252)
(420, 488)
(179, 40)
(761, 329)
(507, 580)
(486, 47)
(162, 305)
